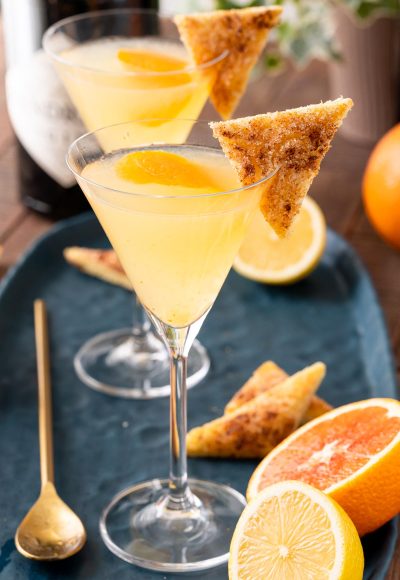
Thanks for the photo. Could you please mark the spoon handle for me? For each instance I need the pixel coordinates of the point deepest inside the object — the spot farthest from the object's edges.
(44, 385)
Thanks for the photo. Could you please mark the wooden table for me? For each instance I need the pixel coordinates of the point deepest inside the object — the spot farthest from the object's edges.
(337, 190)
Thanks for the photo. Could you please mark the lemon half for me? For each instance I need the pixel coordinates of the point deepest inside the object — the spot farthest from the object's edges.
(265, 257)
(292, 530)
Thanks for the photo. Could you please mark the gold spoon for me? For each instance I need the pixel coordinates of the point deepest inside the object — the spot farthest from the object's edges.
(50, 530)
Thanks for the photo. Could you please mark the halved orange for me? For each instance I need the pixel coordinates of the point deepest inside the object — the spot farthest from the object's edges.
(351, 453)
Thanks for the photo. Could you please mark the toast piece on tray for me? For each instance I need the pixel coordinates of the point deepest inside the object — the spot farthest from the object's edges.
(103, 264)
(264, 378)
(256, 427)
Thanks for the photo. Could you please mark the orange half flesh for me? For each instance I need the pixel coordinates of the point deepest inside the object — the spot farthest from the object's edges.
(352, 453)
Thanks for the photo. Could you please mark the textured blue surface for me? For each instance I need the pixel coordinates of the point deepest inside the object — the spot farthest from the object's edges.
(104, 444)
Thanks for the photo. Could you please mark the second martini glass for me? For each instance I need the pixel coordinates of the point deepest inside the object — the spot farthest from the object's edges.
(176, 216)
(119, 65)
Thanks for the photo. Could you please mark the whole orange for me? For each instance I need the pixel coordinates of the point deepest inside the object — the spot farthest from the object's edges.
(381, 187)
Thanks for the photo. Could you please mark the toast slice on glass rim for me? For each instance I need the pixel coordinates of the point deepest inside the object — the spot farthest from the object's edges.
(241, 33)
(293, 143)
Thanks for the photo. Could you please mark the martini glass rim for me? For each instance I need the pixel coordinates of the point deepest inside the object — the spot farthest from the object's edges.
(161, 145)
(115, 11)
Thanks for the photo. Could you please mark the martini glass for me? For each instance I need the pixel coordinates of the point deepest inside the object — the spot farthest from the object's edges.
(93, 56)
(184, 243)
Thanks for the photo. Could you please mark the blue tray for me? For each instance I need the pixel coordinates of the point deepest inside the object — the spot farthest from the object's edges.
(103, 444)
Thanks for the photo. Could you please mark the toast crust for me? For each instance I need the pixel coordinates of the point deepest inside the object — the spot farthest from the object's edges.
(292, 143)
(242, 33)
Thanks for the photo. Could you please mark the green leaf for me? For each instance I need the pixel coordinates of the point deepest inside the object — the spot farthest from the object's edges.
(273, 62)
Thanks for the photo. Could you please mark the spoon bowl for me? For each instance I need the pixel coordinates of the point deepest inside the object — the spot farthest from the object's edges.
(50, 530)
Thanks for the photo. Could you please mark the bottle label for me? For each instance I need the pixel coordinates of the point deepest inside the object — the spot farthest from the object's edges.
(42, 115)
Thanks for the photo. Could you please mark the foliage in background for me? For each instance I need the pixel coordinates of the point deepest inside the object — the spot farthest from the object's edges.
(307, 30)
(367, 8)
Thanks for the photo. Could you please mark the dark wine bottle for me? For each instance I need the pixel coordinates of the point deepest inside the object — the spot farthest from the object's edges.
(44, 120)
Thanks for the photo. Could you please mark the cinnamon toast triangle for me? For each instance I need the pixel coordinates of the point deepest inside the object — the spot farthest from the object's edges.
(256, 427)
(292, 143)
(241, 33)
(103, 264)
(264, 378)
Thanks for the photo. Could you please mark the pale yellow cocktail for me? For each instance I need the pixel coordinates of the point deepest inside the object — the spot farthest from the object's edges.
(120, 79)
(177, 250)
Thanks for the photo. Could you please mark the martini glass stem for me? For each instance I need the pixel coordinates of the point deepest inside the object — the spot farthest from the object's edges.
(178, 342)
(178, 486)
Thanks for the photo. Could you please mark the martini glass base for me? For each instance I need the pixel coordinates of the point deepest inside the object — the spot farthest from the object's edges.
(139, 527)
(119, 364)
